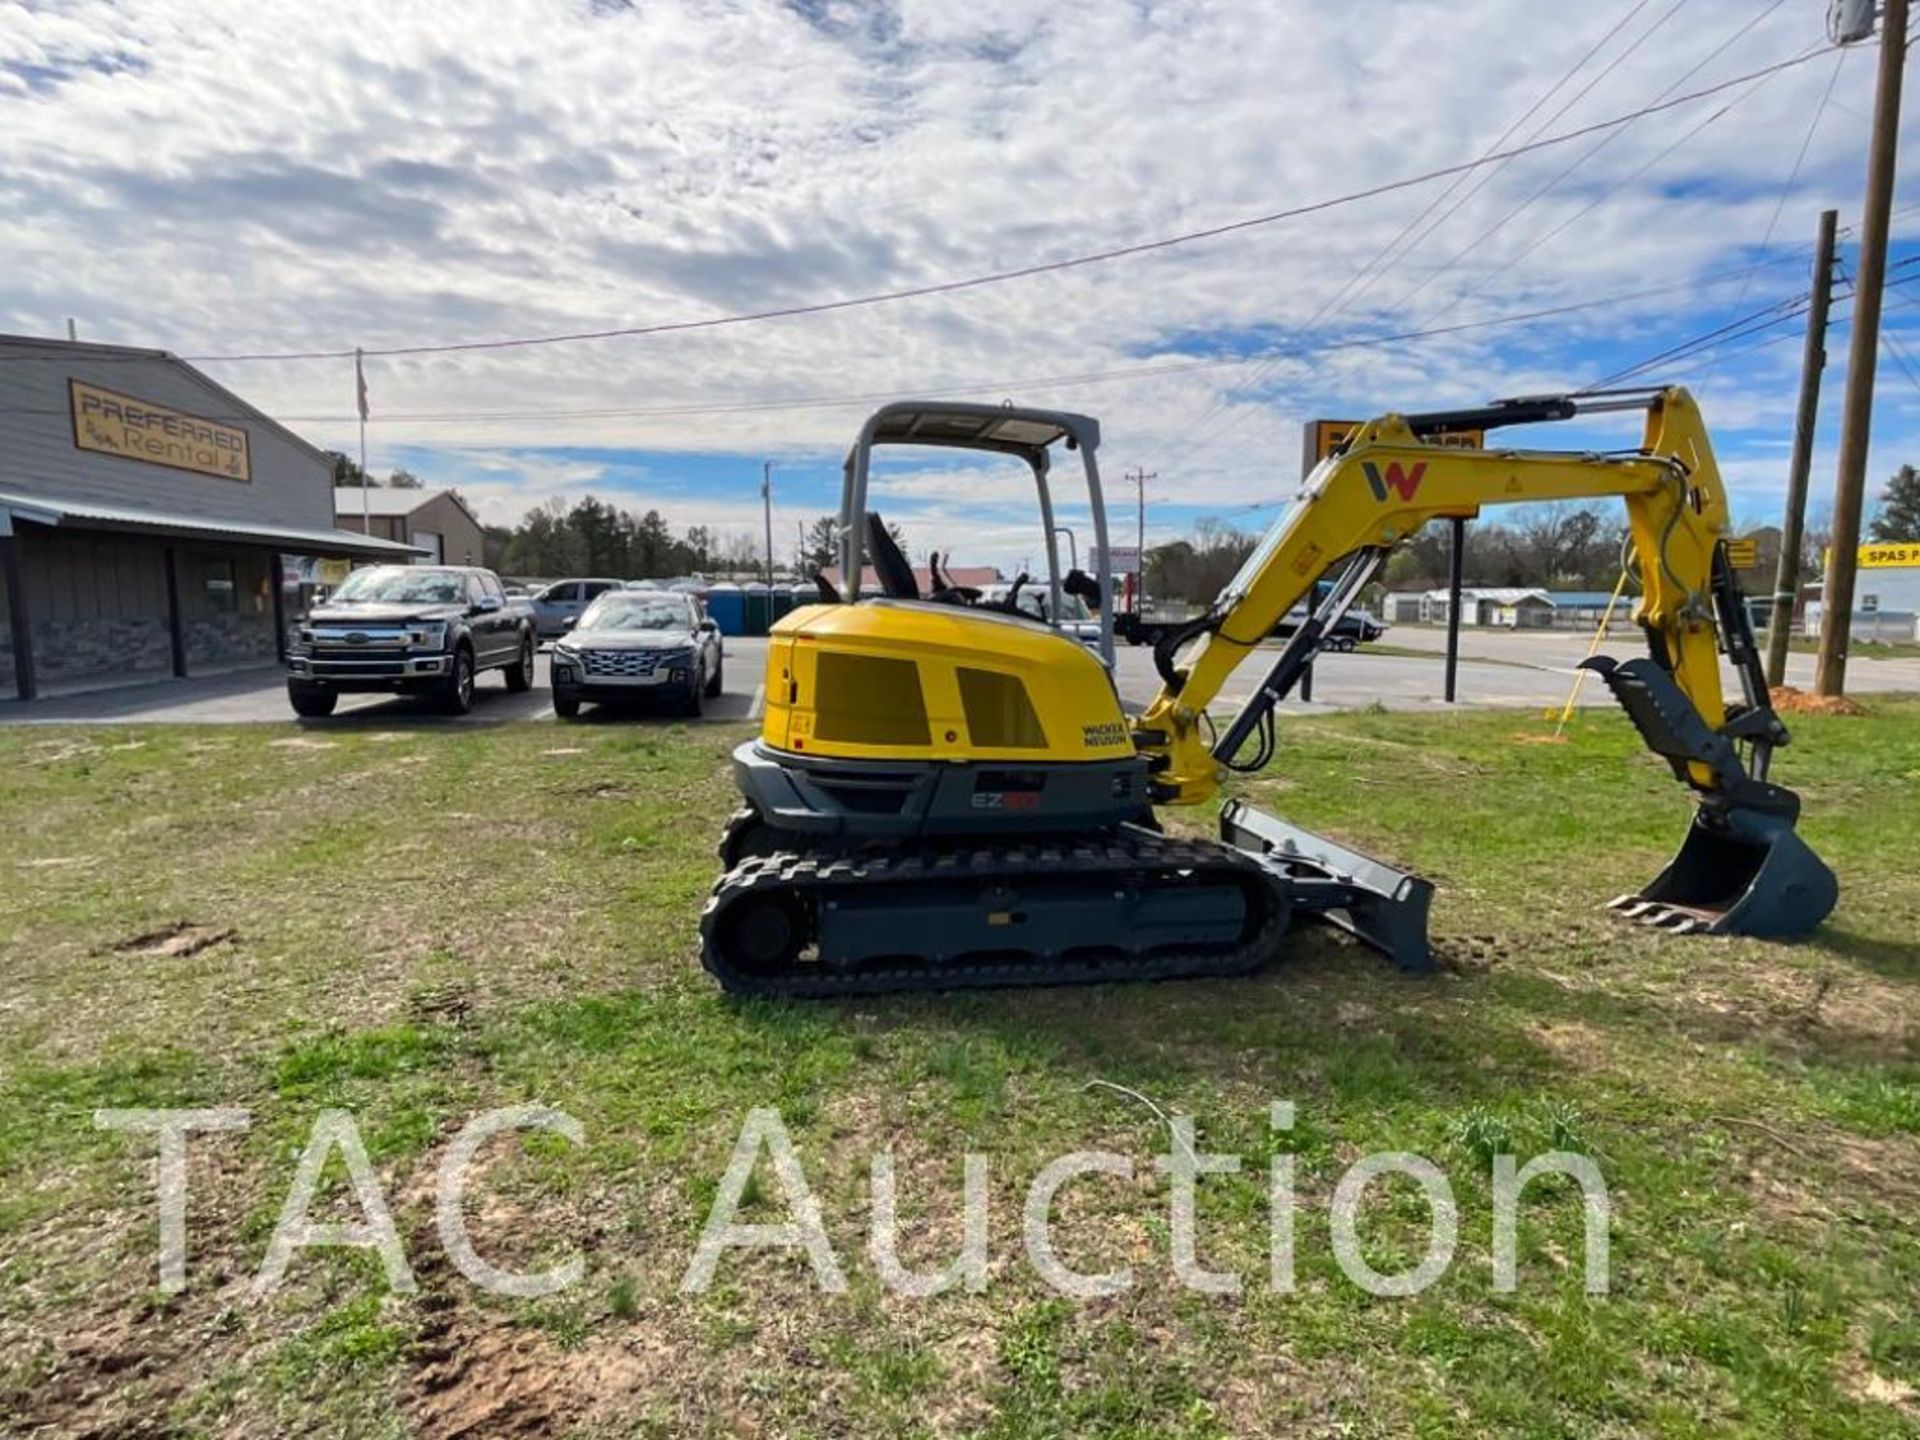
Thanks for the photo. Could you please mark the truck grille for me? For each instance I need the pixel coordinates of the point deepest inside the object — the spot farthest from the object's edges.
(629, 664)
(367, 643)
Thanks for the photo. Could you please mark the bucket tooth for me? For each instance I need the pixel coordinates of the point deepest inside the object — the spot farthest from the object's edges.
(1739, 872)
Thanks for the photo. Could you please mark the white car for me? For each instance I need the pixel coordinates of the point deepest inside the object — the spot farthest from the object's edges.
(1075, 618)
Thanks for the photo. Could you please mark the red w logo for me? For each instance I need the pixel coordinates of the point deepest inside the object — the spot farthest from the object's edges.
(1401, 482)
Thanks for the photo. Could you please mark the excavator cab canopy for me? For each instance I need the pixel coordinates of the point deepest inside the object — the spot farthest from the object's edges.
(1029, 435)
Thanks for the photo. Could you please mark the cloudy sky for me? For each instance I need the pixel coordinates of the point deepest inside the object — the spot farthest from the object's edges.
(235, 177)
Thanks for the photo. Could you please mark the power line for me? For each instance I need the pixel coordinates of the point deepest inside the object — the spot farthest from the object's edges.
(1792, 309)
(1487, 177)
(1585, 210)
(1003, 386)
(1501, 224)
(1799, 159)
(1720, 49)
(1346, 294)
(1049, 267)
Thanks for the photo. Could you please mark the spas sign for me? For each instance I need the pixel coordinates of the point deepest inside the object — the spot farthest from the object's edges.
(140, 430)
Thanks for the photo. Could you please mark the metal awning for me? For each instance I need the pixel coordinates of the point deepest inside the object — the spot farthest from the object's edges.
(95, 515)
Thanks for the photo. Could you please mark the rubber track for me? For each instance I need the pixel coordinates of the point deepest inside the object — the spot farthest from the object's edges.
(1129, 856)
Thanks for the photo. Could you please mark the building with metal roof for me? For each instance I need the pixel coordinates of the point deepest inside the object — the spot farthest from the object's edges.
(152, 522)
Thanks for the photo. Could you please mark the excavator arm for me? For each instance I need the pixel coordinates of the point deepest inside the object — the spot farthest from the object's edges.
(1743, 868)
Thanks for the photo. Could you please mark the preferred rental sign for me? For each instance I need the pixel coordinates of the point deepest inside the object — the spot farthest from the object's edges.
(140, 430)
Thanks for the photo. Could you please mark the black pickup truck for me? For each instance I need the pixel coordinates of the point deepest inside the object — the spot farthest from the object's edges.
(414, 629)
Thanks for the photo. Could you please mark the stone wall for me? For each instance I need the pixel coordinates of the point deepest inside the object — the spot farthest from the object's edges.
(100, 648)
(219, 640)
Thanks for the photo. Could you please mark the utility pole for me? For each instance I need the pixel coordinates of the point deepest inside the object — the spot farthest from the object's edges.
(766, 501)
(1863, 353)
(1140, 477)
(360, 402)
(1813, 361)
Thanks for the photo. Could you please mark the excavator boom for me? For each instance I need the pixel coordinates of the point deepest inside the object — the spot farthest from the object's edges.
(1743, 868)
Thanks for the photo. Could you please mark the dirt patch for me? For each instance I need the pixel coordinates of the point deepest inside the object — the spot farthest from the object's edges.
(1791, 700)
(473, 1378)
(175, 940)
(1572, 1042)
(1860, 1381)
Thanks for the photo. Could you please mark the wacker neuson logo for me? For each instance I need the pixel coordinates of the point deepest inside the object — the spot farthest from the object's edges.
(1395, 480)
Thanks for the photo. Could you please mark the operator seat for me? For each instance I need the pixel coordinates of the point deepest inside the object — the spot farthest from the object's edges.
(896, 575)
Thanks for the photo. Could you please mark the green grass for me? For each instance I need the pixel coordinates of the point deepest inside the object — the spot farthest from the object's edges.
(430, 924)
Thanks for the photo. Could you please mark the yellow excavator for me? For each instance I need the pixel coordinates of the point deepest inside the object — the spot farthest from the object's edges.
(947, 791)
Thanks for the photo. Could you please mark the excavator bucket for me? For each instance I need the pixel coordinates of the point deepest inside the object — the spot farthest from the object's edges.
(1742, 869)
(1739, 872)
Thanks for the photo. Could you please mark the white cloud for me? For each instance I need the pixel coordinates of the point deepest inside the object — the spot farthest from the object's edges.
(222, 175)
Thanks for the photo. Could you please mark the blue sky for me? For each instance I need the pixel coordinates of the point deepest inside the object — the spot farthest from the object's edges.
(224, 176)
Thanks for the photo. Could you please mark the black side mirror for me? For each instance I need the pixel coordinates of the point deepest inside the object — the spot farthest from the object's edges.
(1078, 582)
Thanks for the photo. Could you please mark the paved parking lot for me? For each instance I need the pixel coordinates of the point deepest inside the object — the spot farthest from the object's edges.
(259, 695)
(1529, 669)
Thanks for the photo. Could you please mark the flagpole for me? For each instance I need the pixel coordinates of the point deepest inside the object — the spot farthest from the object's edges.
(360, 396)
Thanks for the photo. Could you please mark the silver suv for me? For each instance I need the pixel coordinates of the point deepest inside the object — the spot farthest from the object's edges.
(638, 647)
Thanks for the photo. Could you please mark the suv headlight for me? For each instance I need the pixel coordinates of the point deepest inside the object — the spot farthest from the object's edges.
(426, 637)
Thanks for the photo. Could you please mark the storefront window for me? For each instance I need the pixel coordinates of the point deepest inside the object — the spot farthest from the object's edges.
(223, 596)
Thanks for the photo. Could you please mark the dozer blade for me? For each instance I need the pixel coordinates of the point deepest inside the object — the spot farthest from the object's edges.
(1370, 900)
(1739, 872)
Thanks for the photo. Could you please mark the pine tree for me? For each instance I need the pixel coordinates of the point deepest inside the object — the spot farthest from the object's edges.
(1898, 519)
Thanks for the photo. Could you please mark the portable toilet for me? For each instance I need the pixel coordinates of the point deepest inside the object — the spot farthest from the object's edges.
(779, 602)
(758, 618)
(805, 595)
(727, 607)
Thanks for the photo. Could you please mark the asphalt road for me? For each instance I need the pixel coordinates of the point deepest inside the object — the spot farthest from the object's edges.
(1530, 669)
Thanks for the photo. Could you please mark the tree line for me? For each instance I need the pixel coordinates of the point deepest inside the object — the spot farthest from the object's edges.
(1563, 546)
(591, 537)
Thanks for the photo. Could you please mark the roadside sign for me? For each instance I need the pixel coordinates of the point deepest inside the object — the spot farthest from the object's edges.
(1123, 559)
(1743, 554)
(1896, 556)
(1323, 437)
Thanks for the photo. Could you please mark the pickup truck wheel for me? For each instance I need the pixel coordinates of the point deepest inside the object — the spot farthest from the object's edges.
(520, 673)
(1340, 643)
(714, 681)
(456, 697)
(310, 702)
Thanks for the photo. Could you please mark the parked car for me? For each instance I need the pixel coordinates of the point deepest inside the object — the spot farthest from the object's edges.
(561, 604)
(636, 646)
(410, 629)
(1355, 628)
(1075, 618)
